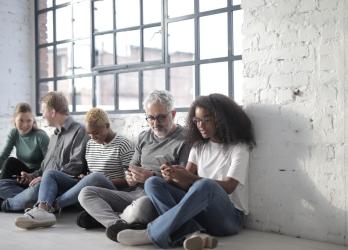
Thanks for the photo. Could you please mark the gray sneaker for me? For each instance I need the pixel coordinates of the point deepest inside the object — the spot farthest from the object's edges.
(36, 217)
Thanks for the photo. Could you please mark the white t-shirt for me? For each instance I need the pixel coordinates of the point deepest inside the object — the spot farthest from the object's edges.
(217, 161)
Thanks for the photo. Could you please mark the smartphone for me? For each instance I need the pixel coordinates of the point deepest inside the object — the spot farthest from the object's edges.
(16, 176)
(163, 159)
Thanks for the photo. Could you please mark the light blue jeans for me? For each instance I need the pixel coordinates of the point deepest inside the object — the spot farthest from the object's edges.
(63, 189)
(16, 196)
(205, 207)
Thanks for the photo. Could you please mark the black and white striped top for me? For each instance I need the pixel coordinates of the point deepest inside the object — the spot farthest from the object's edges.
(110, 158)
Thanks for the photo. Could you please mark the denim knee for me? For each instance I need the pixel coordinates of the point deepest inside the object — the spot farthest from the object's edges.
(49, 173)
(152, 183)
(205, 185)
(94, 179)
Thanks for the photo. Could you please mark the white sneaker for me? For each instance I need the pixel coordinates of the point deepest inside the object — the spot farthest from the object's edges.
(198, 241)
(36, 217)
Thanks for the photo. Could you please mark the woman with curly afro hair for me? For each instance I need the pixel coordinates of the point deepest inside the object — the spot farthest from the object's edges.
(210, 196)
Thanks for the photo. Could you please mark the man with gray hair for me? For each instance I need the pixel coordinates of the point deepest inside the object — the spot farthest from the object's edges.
(164, 141)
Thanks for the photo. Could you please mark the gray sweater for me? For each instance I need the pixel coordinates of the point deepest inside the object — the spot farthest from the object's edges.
(149, 146)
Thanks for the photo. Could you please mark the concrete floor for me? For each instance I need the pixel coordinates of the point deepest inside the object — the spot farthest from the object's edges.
(66, 235)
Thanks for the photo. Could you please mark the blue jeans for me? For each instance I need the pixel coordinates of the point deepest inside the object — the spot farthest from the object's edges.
(205, 207)
(16, 196)
(64, 189)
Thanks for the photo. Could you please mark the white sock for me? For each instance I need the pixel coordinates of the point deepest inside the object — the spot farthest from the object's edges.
(131, 237)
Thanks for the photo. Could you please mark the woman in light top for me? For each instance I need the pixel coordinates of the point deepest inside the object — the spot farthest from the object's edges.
(209, 196)
(29, 141)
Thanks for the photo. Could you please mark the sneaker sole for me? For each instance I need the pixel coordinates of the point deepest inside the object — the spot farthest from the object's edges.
(198, 243)
(25, 224)
(193, 243)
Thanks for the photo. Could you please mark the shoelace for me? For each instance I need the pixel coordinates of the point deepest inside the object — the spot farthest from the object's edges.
(26, 212)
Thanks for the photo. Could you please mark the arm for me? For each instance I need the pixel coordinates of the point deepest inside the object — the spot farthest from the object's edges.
(229, 184)
(43, 143)
(75, 165)
(10, 144)
(119, 182)
(184, 179)
(140, 174)
(180, 176)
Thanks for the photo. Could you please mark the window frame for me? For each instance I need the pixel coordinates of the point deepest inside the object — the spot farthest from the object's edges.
(142, 66)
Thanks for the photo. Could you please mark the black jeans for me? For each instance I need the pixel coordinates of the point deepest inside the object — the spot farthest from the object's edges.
(12, 166)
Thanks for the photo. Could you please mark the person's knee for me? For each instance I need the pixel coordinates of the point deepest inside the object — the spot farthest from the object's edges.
(140, 211)
(11, 160)
(85, 193)
(94, 179)
(152, 183)
(204, 185)
(49, 173)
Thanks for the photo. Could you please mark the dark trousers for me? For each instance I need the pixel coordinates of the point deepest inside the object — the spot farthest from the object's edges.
(11, 167)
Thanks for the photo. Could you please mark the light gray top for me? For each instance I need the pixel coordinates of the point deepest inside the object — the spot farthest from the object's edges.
(149, 146)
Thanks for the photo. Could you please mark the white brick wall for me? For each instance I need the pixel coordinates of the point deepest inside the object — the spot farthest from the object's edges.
(16, 58)
(295, 89)
(295, 61)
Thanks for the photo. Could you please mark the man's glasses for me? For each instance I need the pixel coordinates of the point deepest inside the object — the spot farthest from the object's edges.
(205, 119)
(159, 118)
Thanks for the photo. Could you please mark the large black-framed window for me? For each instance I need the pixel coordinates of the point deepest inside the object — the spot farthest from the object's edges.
(112, 53)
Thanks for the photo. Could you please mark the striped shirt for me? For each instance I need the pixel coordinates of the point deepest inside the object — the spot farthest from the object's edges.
(110, 158)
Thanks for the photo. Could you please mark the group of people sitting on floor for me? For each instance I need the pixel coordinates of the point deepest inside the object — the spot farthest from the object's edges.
(177, 186)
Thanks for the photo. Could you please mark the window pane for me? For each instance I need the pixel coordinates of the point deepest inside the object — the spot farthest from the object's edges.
(82, 19)
(45, 27)
(213, 41)
(63, 23)
(205, 5)
(103, 15)
(127, 13)
(46, 62)
(64, 63)
(152, 11)
(182, 85)
(104, 54)
(181, 41)
(45, 87)
(128, 47)
(153, 44)
(82, 56)
(214, 78)
(128, 91)
(65, 86)
(153, 80)
(62, 1)
(105, 91)
(180, 7)
(83, 97)
(43, 4)
(236, 2)
(237, 32)
(238, 81)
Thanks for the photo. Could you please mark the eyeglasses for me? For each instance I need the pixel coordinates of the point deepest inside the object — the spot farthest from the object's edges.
(205, 119)
(159, 118)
